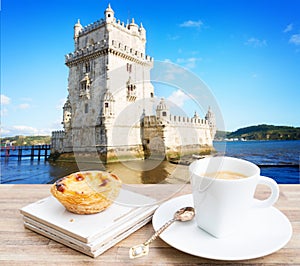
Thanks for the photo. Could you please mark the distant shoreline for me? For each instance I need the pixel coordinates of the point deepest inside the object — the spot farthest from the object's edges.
(261, 132)
(253, 140)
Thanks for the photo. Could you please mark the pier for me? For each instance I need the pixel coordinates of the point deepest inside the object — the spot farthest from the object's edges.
(34, 152)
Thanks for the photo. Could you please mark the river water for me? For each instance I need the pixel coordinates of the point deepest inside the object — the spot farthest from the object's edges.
(277, 159)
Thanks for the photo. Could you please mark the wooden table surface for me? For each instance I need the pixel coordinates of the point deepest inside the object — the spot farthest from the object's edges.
(20, 246)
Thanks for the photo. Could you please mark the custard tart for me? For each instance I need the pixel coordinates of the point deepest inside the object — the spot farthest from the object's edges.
(87, 192)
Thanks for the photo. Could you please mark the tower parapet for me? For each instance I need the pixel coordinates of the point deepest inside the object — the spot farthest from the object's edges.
(99, 38)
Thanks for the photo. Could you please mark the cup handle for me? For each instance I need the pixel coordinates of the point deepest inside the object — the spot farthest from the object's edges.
(274, 192)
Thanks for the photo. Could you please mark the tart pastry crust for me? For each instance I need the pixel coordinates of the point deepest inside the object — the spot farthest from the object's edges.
(87, 192)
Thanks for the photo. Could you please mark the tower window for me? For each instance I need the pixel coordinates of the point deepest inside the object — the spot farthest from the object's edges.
(129, 67)
(164, 113)
(87, 67)
(131, 92)
(83, 86)
(86, 108)
(108, 15)
(106, 105)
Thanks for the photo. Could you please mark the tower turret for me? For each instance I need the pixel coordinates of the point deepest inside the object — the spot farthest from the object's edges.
(109, 14)
(133, 27)
(77, 29)
(67, 115)
(162, 110)
(196, 116)
(211, 119)
(142, 33)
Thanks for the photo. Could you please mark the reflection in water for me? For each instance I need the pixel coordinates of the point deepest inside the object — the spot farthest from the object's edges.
(283, 153)
(132, 172)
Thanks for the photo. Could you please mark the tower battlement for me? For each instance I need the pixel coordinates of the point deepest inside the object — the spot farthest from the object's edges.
(101, 48)
(91, 27)
(175, 120)
(130, 28)
(109, 36)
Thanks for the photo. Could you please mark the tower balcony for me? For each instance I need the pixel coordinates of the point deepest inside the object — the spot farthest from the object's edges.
(85, 52)
(103, 47)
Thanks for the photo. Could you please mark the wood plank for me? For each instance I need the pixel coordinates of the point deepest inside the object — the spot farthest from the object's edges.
(19, 246)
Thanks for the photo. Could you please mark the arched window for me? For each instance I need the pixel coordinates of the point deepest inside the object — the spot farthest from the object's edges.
(87, 67)
(131, 92)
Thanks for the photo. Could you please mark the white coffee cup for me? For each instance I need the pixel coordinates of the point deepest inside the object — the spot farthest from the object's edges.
(220, 203)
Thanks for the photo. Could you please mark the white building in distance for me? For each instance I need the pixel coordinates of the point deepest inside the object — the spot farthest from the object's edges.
(110, 102)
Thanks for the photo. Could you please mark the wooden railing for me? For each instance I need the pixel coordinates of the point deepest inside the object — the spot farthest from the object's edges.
(35, 151)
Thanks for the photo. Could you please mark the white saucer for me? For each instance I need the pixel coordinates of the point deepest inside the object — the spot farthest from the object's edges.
(266, 230)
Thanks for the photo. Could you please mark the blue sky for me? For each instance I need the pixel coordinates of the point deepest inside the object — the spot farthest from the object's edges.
(247, 52)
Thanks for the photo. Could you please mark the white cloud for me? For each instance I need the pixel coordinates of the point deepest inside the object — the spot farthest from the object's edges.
(4, 132)
(170, 71)
(173, 37)
(26, 99)
(178, 98)
(288, 28)
(5, 100)
(191, 24)
(23, 130)
(167, 60)
(295, 39)
(254, 42)
(188, 62)
(23, 106)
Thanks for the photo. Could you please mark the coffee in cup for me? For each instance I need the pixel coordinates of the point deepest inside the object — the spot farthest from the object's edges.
(223, 192)
(228, 175)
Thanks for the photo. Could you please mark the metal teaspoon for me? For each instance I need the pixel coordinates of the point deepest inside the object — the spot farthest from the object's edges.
(182, 215)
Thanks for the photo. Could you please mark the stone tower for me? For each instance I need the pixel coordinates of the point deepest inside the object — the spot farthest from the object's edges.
(109, 64)
(110, 110)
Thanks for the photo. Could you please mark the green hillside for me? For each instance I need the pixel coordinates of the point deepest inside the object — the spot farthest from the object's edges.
(26, 140)
(266, 132)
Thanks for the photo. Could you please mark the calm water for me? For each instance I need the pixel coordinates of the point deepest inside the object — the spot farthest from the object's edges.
(277, 159)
